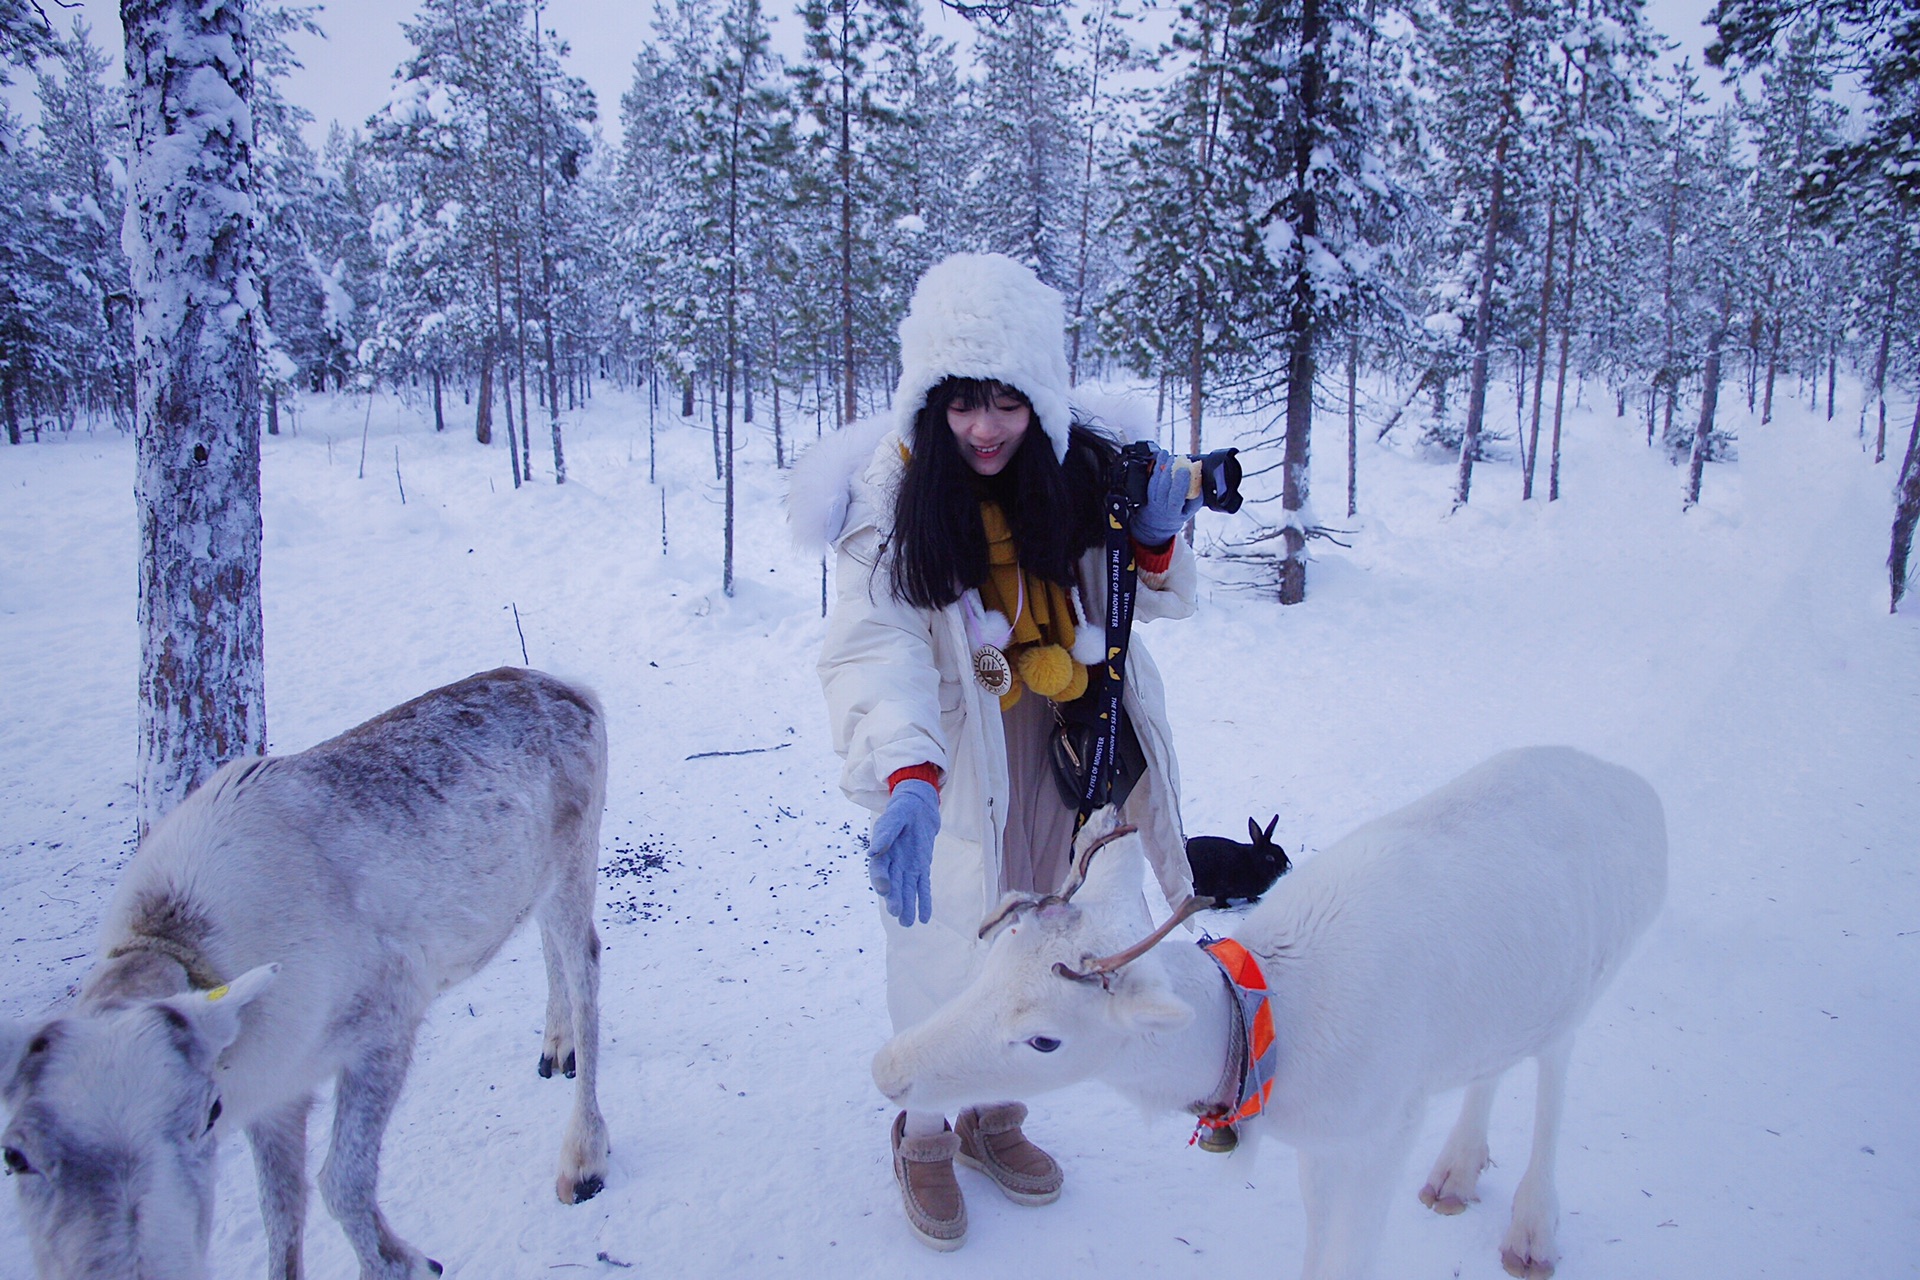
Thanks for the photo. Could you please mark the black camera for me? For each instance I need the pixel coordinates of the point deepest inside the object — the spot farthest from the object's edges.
(1216, 476)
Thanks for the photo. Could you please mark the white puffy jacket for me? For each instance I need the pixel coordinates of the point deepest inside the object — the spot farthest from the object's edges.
(900, 692)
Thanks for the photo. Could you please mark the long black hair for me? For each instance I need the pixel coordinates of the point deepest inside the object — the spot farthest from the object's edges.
(1055, 509)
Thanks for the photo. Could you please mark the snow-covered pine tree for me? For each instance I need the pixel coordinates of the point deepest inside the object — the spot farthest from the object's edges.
(1607, 50)
(285, 183)
(1183, 214)
(738, 129)
(1792, 122)
(197, 478)
(1106, 53)
(1724, 283)
(1867, 188)
(1321, 199)
(562, 107)
(1025, 193)
(1673, 197)
(1493, 67)
(659, 277)
(836, 79)
(925, 153)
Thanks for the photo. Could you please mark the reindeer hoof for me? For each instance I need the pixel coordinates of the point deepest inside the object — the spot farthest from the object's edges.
(568, 1069)
(1449, 1205)
(546, 1066)
(587, 1188)
(1525, 1268)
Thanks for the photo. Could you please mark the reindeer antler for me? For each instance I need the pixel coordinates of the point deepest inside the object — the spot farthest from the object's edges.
(1099, 969)
(1078, 876)
(1075, 878)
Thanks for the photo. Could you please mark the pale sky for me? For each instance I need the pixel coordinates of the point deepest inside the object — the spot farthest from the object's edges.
(347, 75)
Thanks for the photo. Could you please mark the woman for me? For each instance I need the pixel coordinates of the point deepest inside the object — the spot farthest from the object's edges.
(969, 604)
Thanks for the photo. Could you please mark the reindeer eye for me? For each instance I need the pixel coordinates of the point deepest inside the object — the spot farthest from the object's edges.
(213, 1114)
(1045, 1044)
(17, 1163)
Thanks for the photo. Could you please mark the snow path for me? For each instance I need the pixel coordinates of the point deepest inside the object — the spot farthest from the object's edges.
(1724, 1096)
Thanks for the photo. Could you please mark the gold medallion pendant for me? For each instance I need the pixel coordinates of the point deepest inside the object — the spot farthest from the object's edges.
(992, 670)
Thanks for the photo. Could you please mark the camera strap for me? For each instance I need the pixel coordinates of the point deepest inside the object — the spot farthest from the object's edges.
(1122, 583)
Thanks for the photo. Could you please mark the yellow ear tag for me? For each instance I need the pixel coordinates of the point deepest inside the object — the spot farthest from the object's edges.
(218, 992)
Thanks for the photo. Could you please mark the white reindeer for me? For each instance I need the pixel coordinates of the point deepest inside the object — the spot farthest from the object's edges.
(289, 922)
(1432, 948)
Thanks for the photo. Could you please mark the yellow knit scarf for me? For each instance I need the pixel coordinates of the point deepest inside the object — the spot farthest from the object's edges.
(1040, 650)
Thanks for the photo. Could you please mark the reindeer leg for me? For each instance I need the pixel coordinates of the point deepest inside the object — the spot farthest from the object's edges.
(279, 1142)
(1455, 1180)
(573, 948)
(364, 1097)
(556, 1048)
(1346, 1189)
(1529, 1250)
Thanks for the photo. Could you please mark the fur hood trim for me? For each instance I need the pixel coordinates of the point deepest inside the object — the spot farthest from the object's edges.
(820, 486)
(983, 315)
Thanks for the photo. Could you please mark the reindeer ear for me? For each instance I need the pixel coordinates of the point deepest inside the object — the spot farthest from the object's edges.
(1145, 1002)
(215, 1015)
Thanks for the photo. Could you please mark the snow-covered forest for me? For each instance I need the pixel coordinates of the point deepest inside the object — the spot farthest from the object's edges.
(1576, 376)
(1358, 216)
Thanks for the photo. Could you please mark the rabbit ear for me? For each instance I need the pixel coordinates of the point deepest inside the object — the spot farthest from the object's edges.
(1253, 830)
(1267, 835)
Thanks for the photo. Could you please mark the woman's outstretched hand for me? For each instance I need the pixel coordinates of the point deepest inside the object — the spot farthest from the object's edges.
(900, 850)
(1168, 506)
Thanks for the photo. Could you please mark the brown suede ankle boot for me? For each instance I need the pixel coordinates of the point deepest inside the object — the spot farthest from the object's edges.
(991, 1141)
(924, 1169)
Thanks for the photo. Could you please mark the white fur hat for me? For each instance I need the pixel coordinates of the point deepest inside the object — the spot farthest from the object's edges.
(983, 315)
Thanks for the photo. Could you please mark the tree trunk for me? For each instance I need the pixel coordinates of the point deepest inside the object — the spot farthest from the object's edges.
(439, 412)
(197, 421)
(1709, 400)
(1078, 319)
(1540, 357)
(483, 411)
(851, 387)
(1353, 424)
(12, 401)
(520, 359)
(1566, 309)
(1483, 306)
(506, 371)
(1667, 378)
(272, 393)
(1197, 359)
(1880, 361)
(1833, 368)
(546, 256)
(1905, 514)
(773, 354)
(1303, 320)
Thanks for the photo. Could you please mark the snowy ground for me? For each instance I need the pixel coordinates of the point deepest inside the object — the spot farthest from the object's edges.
(1742, 1102)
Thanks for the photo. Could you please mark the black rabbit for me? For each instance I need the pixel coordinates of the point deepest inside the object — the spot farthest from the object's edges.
(1227, 870)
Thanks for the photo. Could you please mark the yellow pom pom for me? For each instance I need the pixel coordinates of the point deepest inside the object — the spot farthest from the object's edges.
(1075, 687)
(1047, 669)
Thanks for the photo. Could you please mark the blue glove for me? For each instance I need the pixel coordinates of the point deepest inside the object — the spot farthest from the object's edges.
(900, 850)
(1167, 508)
